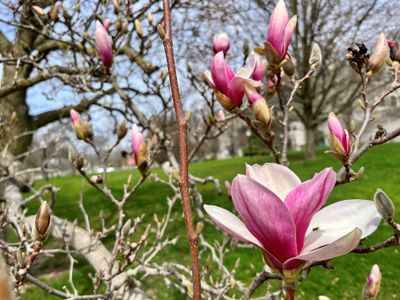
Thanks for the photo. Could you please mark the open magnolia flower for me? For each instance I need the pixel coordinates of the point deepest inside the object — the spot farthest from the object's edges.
(230, 86)
(282, 216)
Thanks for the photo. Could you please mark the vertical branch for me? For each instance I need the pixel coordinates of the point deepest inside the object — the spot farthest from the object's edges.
(182, 132)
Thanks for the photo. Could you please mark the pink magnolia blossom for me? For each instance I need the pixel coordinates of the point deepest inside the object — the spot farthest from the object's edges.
(225, 81)
(283, 216)
(373, 283)
(139, 149)
(280, 29)
(259, 69)
(75, 116)
(221, 43)
(104, 44)
(339, 137)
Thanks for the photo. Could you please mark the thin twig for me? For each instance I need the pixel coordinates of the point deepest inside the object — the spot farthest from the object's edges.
(182, 132)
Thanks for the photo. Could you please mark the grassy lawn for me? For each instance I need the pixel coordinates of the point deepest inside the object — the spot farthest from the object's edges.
(344, 282)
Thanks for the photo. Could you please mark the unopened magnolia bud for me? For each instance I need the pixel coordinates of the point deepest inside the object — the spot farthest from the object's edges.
(139, 149)
(189, 288)
(118, 25)
(138, 28)
(360, 172)
(42, 220)
(64, 12)
(150, 18)
(116, 6)
(38, 10)
(161, 31)
(371, 288)
(54, 11)
(96, 179)
(199, 228)
(80, 162)
(315, 57)
(262, 112)
(126, 227)
(78, 7)
(379, 55)
(288, 66)
(21, 258)
(122, 130)
(187, 116)
(228, 188)
(384, 206)
(83, 130)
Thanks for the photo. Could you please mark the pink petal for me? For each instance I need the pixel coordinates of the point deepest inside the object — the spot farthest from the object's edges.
(278, 179)
(265, 216)
(307, 198)
(340, 218)
(221, 73)
(335, 127)
(137, 140)
(277, 25)
(103, 44)
(339, 247)
(231, 224)
(346, 142)
(288, 33)
(258, 73)
(236, 90)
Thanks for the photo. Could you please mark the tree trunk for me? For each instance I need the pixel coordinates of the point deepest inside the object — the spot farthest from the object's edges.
(309, 149)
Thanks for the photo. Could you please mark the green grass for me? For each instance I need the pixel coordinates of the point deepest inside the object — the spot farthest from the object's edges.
(344, 282)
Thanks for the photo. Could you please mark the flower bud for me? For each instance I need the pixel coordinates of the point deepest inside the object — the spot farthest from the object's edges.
(378, 56)
(228, 188)
(138, 28)
(54, 11)
(246, 48)
(104, 44)
(82, 128)
(122, 130)
(261, 111)
(221, 43)
(38, 10)
(221, 115)
(315, 57)
(199, 228)
(42, 221)
(161, 31)
(371, 288)
(384, 206)
(150, 18)
(97, 179)
(339, 138)
(116, 6)
(139, 149)
(394, 51)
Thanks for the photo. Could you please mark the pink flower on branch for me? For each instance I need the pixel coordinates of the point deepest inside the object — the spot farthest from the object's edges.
(283, 216)
(259, 69)
(104, 44)
(280, 29)
(139, 148)
(339, 138)
(221, 43)
(373, 283)
(230, 86)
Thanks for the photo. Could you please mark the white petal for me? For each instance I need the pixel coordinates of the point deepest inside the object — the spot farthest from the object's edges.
(208, 76)
(278, 179)
(231, 224)
(340, 218)
(339, 247)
